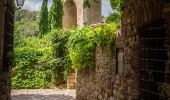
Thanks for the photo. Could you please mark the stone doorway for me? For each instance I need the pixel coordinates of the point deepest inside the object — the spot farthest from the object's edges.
(70, 14)
(6, 45)
(152, 61)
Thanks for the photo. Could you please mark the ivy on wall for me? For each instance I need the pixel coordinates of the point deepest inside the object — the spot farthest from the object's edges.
(60, 52)
(82, 44)
(81, 48)
(78, 45)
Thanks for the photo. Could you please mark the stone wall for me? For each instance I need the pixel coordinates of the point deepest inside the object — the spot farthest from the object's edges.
(104, 84)
(97, 84)
(4, 75)
(71, 80)
(1, 32)
(167, 68)
(78, 10)
(126, 83)
(70, 15)
(92, 15)
(136, 14)
(78, 16)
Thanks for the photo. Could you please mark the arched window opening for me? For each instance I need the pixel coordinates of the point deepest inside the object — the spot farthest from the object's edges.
(70, 14)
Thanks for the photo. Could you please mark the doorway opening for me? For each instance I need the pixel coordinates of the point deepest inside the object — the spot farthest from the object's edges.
(152, 61)
(33, 61)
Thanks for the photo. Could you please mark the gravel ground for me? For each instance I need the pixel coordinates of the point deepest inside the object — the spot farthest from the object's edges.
(43, 94)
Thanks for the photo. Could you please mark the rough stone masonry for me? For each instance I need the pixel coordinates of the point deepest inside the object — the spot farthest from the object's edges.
(95, 84)
(4, 75)
(104, 83)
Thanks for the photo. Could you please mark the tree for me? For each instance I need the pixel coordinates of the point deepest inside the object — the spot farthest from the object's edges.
(115, 17)
(43, 18)
(117, 4)
(56, 14)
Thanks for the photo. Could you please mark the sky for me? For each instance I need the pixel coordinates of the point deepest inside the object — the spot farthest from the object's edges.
(35, 5)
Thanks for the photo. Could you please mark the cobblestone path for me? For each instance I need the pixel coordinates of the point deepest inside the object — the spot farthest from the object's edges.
(43, 94)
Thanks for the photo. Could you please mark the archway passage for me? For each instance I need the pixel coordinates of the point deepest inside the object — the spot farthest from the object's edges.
(70, 14)
(153, 58)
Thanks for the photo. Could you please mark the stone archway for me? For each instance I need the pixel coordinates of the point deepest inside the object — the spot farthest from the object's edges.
(70, 14)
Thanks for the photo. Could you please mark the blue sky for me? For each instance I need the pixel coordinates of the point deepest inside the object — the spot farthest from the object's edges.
(35, 5)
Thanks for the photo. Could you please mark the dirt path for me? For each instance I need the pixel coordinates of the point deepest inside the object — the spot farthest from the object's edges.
(43, 94)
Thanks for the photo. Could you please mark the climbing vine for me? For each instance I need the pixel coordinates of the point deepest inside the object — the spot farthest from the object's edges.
(77, 47)
(82, 44)
(81, 48)
(45, 62)
(60, 52)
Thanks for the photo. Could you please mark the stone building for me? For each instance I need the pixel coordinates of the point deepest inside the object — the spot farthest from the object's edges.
(76, 15)
(140, 69)
(145, 28)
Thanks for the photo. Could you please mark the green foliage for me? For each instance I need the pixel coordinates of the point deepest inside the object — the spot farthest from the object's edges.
(25, 15)
(27, 22)
(82, 44)
(56, 14)
(35, 64)
(81, 48)
(105, 35)
(86, 3)
(43, 18)
(29, 28)
(60, 39)
(117, 4)
(75, 48)
(46, 61)
(25, 74)
(115, 17)
(17, 34)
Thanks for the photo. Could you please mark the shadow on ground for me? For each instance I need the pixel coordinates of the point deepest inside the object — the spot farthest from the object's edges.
(42, 97)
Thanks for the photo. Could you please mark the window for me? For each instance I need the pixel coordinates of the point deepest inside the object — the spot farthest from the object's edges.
(120, 61)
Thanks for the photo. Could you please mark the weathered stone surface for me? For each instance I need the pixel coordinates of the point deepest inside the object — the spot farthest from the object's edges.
(4, 75)
(5, 86)
(166, 13)
(136, 14)
(97, 84)
(71, 80)
(76, 15)
(73, 14)
(1, 31)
